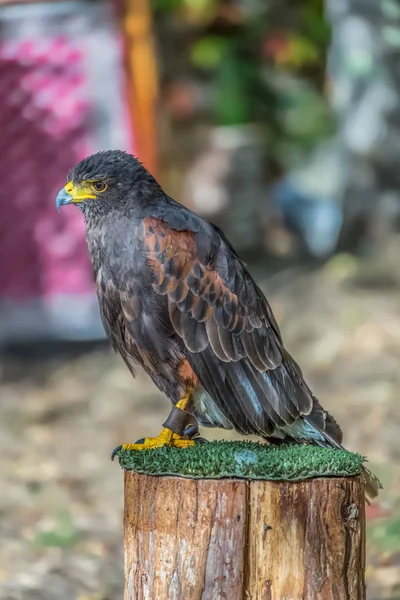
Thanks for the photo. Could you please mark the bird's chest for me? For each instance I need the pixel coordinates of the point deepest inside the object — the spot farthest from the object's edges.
(133, 313)
(115, 249)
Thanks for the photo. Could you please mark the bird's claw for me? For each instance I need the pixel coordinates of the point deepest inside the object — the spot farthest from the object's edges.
(115, 452)
(166, 438)
(192, 433)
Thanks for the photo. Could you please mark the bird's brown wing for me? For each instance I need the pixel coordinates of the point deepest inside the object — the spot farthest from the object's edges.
(227, 326)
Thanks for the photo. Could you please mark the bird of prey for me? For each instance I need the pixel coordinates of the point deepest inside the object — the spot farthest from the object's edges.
(176, 298)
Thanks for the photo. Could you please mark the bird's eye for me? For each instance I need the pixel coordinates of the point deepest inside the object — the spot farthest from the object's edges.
(99, 186)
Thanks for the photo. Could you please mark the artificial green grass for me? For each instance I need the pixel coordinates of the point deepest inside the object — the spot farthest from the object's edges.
(249, 460)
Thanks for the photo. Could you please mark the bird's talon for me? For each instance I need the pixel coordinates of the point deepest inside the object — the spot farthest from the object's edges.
(115, 452)
(191, 431)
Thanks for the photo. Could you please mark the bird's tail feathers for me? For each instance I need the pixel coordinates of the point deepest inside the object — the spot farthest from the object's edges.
(325, 431)
(371, 483)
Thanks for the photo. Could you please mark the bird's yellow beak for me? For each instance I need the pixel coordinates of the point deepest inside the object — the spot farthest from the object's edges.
(72, 194)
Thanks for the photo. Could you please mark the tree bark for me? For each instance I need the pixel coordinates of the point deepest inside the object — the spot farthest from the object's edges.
(233, 539)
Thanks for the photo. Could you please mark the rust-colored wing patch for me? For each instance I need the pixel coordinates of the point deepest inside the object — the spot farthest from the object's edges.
(213, 304)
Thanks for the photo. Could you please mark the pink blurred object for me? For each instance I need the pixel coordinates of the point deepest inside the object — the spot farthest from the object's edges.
(376, 511)
(40, 153)
(47, 109)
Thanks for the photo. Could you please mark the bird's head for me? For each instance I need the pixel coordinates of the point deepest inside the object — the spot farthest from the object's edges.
(102, 181)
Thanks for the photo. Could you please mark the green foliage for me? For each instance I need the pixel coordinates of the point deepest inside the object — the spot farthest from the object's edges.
(313, 22)
(166, 6)
(243, 459)
(266, 60)
(208, 52)
(232, 104)
(302, 116)
(194, 11)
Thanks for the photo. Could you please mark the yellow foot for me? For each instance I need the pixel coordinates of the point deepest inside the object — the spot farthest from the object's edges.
(166, 438)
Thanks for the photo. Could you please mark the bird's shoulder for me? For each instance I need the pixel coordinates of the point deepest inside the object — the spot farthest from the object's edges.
(186, 230)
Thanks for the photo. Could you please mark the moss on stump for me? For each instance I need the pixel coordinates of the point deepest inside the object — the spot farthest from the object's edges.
(248, 460)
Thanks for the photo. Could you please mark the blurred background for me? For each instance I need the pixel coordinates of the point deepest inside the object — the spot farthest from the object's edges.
(279, 122)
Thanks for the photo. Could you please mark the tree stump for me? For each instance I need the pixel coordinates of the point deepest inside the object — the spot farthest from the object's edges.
(236, 539)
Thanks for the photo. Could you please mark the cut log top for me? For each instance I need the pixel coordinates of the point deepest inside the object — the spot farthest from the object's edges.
(206, 536)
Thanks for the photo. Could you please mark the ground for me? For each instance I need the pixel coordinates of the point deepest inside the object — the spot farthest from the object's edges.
(63, 411)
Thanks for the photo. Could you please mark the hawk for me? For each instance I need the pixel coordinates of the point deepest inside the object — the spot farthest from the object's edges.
(176, 298)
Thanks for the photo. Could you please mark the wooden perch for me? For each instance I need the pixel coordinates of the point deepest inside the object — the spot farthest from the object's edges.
(236, 539)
